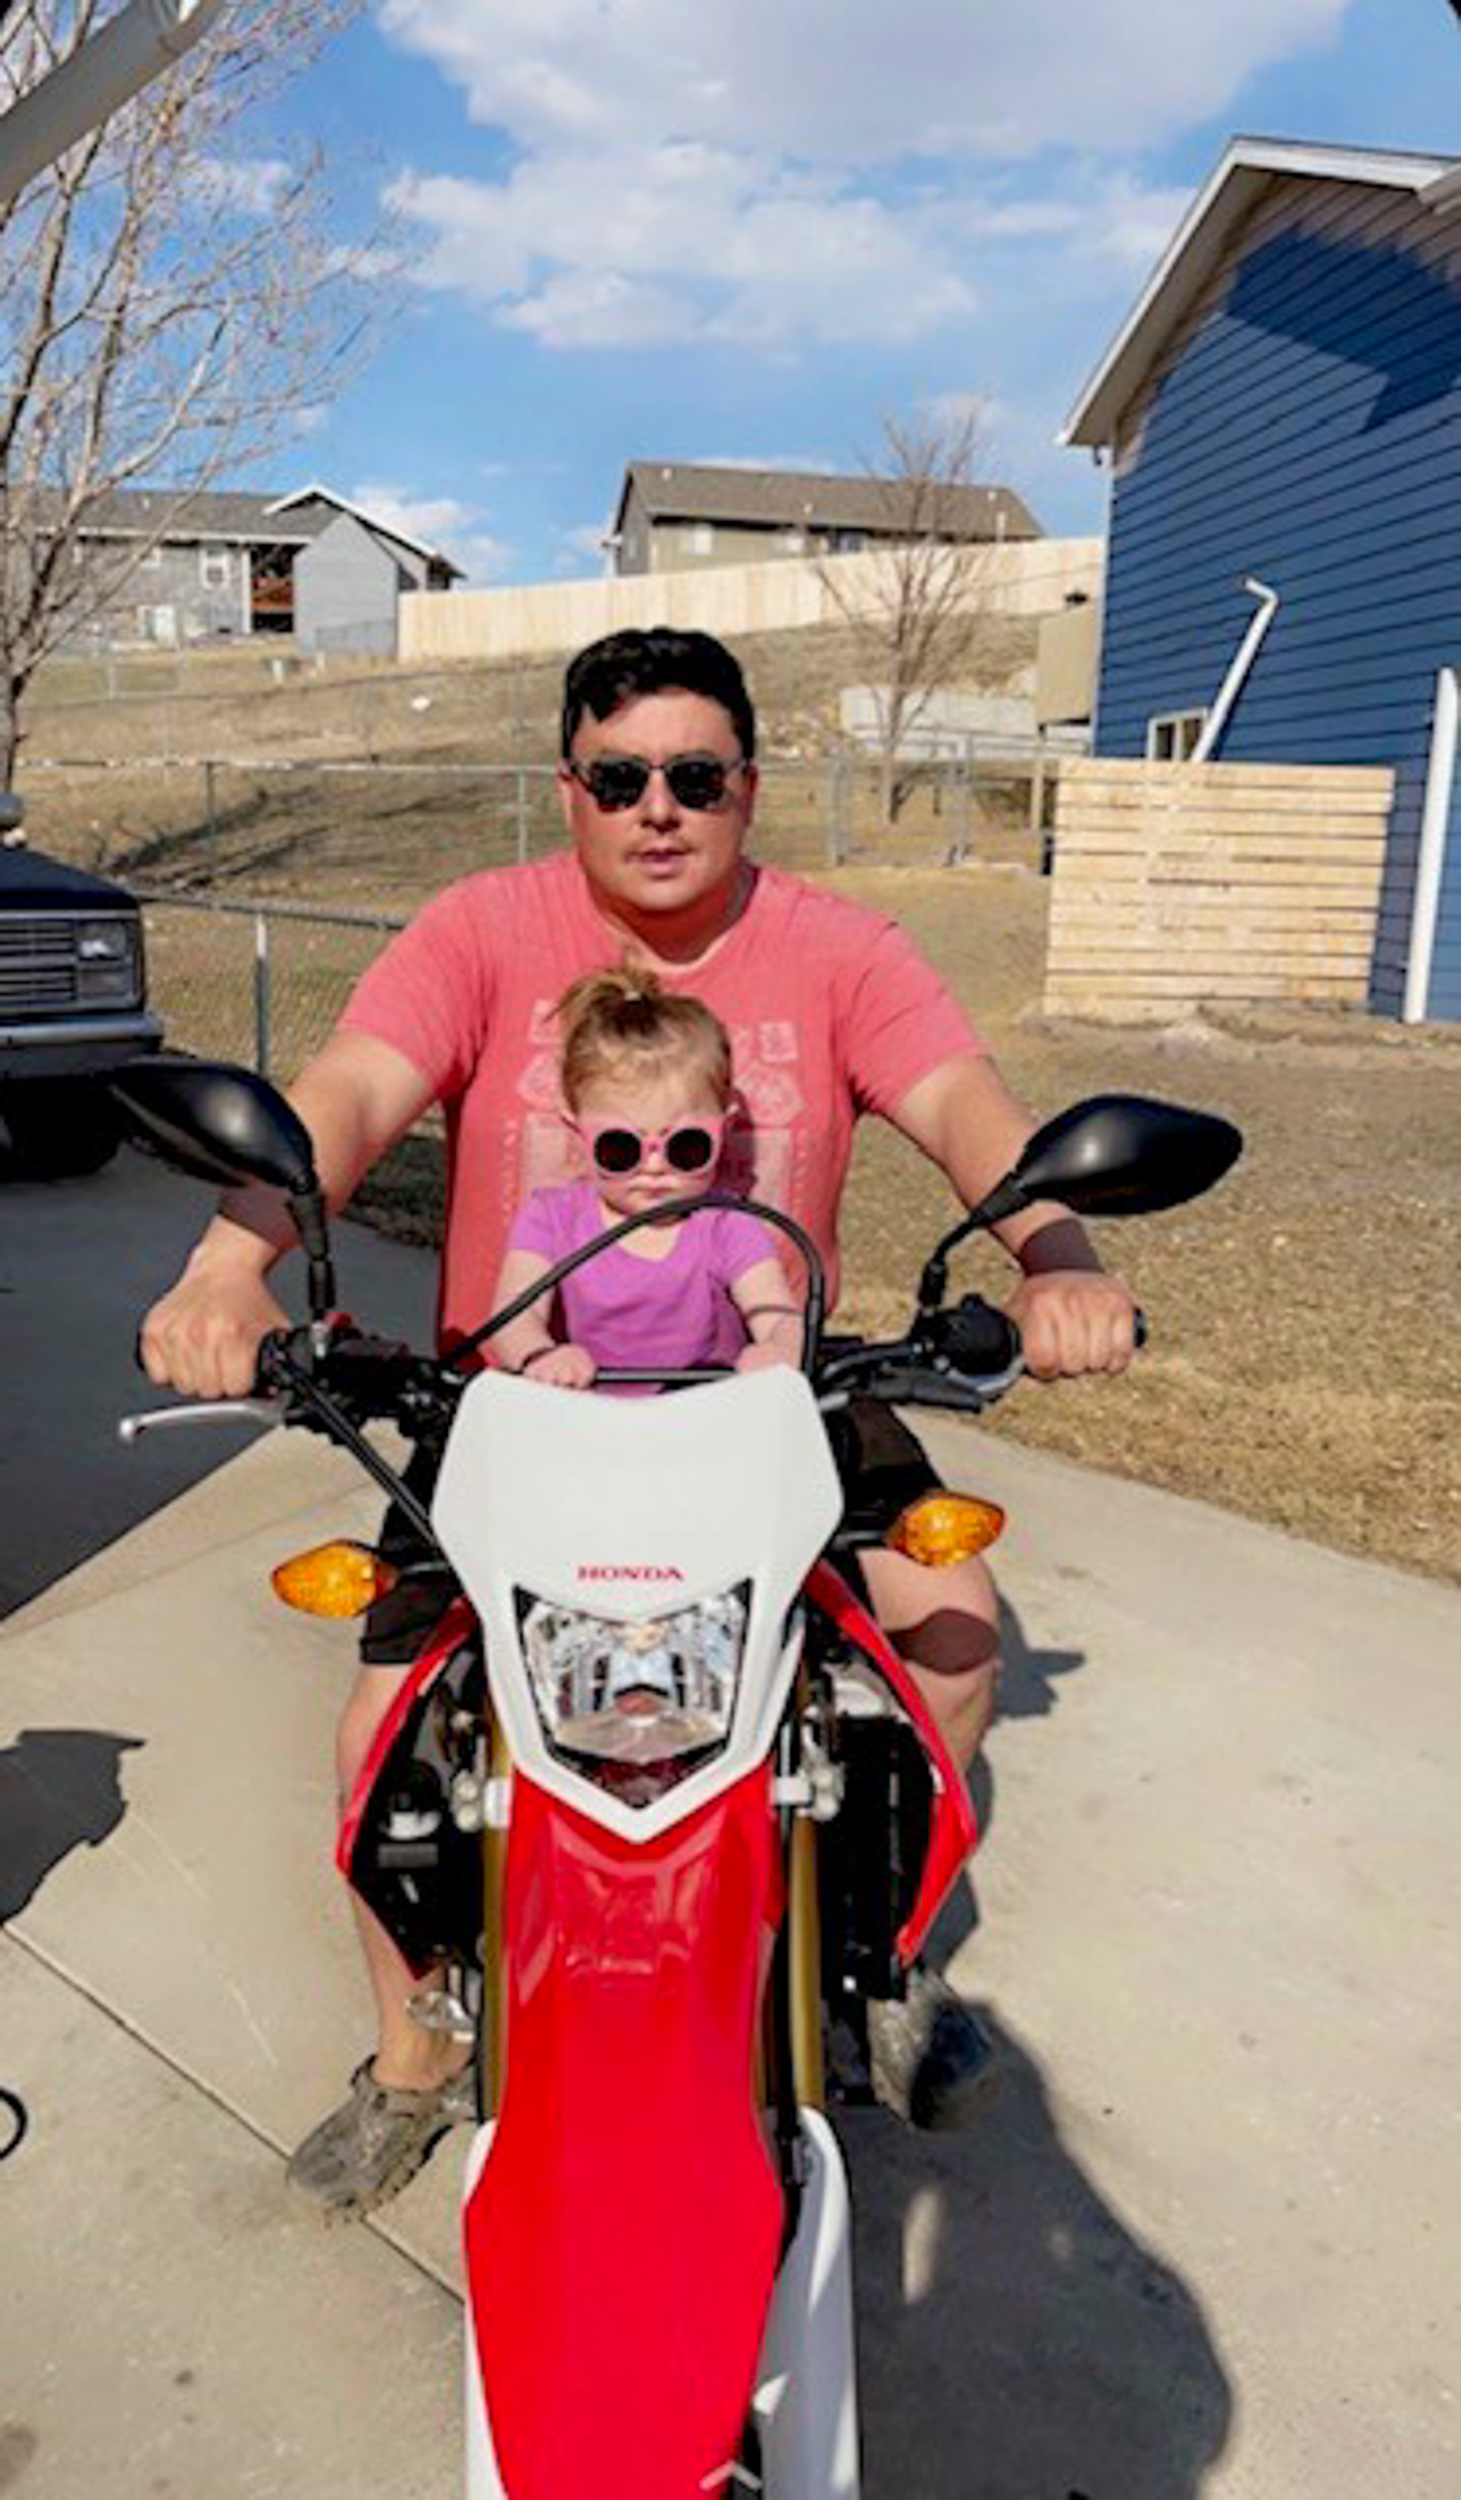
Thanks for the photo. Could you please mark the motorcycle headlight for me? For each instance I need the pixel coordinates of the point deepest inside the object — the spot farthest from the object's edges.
(653, 1694)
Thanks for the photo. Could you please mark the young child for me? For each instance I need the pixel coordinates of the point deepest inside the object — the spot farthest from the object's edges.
(645, 1078)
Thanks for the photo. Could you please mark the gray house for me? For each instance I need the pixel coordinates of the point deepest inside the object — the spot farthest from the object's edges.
(673, 516)
(351, 573)
(180, 568)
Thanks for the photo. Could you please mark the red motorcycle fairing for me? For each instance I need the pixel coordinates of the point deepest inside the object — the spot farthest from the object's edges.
(954, 1832)
(622, 2241)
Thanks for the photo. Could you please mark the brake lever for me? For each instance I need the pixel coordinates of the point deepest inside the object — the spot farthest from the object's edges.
(201, 1411)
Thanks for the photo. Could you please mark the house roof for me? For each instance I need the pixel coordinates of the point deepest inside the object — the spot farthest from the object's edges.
(290, 520)
(798, 499)
(315, 494)
(1195, 251)
(128, 511)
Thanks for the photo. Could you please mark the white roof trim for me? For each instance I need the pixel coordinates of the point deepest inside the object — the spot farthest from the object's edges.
(1196, 248)
(369, 520)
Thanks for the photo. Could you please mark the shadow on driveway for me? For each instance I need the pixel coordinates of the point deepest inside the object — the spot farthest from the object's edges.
(1016, 2341)
(60, 1789)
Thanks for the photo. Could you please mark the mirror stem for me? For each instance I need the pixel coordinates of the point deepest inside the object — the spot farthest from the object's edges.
(311, 1216)
(1006, 1198)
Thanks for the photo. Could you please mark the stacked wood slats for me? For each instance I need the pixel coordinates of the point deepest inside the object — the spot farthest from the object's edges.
(1175, 883)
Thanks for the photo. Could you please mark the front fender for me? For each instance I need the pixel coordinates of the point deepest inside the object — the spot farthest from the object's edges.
(621, 2243)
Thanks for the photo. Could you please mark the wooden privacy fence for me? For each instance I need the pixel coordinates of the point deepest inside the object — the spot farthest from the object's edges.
(1175, 883)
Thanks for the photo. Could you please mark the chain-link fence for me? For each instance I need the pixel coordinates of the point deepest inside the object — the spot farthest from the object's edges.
(389, 831)
(261, 983)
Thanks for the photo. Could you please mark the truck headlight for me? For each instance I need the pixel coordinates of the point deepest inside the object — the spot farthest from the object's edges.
(109, 961)
(654, 1693)
(104, 942)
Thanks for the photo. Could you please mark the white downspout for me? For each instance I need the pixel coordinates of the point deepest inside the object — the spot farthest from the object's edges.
(1243, 659)
(136, 46)
(1431, 858)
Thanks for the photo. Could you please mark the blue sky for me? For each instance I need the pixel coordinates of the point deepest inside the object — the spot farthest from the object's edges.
(647, 229)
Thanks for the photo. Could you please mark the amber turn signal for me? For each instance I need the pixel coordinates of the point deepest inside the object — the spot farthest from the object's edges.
(339, 1579)
(944, 1528)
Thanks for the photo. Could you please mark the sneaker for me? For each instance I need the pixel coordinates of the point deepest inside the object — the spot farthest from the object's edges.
(932, 2059)
(366, 2150)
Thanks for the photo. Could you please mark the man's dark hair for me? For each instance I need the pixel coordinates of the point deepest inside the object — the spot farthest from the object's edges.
(658, 660)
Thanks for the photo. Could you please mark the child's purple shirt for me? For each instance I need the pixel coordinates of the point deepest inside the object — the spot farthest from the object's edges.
(674, 1313)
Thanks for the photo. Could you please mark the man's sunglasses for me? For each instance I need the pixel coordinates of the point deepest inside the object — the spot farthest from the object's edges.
(696, 782)
(617, 1147)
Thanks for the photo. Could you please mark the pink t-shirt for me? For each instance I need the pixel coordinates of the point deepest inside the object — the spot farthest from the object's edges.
(673, 1313)
(830, 1008)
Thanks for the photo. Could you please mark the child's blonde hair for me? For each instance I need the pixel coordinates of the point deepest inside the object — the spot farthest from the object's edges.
(625, 1024)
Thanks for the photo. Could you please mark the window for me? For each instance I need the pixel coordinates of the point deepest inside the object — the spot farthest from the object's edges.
(697, 538)
(849, 542)
(1172, 736)
(792, 542)
(214, 567)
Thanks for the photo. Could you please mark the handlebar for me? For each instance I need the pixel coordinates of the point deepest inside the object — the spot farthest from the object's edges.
(332, 1378)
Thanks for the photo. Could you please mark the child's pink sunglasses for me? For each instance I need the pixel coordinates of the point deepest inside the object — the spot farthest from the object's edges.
(618, 1147)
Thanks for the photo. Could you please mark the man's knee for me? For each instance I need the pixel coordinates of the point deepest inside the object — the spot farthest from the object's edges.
(945, 1624)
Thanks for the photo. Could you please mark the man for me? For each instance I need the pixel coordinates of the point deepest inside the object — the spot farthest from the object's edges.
(832, 1013)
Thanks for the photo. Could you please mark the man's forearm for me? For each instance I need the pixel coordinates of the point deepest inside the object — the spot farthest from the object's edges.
(1047, 1239)
(253, 1228)
(967, 1119)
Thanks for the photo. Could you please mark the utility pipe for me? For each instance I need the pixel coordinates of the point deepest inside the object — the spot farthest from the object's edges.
(136, 46)
(1431, 858)
(1243, 659)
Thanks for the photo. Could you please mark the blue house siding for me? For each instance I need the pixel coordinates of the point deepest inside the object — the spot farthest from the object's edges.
(1445, 984)
(1305, 428)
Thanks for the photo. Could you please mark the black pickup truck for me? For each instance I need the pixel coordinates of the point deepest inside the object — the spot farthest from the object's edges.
(73, 992)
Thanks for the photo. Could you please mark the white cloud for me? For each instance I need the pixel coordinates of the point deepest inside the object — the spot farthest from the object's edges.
(250, 186)
(312, 418)
(837, 82)
(614, 251)
(829, 174)
(439, 521)
(583, 550)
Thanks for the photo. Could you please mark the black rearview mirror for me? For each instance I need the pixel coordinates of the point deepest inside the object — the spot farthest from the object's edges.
(1122, 1154)
(220, 1123)
(1116, 1154)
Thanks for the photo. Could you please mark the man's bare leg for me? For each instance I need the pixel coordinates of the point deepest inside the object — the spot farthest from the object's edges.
(407, 2058)
(945, 1625)
(931, 2058)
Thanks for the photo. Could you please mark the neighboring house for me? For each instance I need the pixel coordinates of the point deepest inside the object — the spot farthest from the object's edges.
(308, 563)
(1282, 416)
(674, 516)
(349, 578)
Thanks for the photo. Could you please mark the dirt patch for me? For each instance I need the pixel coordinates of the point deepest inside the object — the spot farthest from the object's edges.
(1305, 1361)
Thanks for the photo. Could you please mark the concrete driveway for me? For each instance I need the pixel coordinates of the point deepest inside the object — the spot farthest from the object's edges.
(1201, 2243)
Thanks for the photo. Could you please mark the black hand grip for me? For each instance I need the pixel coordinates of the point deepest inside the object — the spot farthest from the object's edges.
(1140, 1330)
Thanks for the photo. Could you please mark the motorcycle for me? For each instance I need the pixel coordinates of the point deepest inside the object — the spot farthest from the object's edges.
(659, 1804)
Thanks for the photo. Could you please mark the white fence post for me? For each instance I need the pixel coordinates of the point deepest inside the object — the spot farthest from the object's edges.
(262, 992)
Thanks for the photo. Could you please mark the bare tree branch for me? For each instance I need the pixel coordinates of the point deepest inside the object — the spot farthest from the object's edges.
(917, 628)
(162, 316)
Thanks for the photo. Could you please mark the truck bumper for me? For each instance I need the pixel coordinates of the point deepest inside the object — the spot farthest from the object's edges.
(85, 1046)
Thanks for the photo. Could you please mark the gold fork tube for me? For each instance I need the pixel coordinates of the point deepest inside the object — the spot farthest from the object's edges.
(805, 1925)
